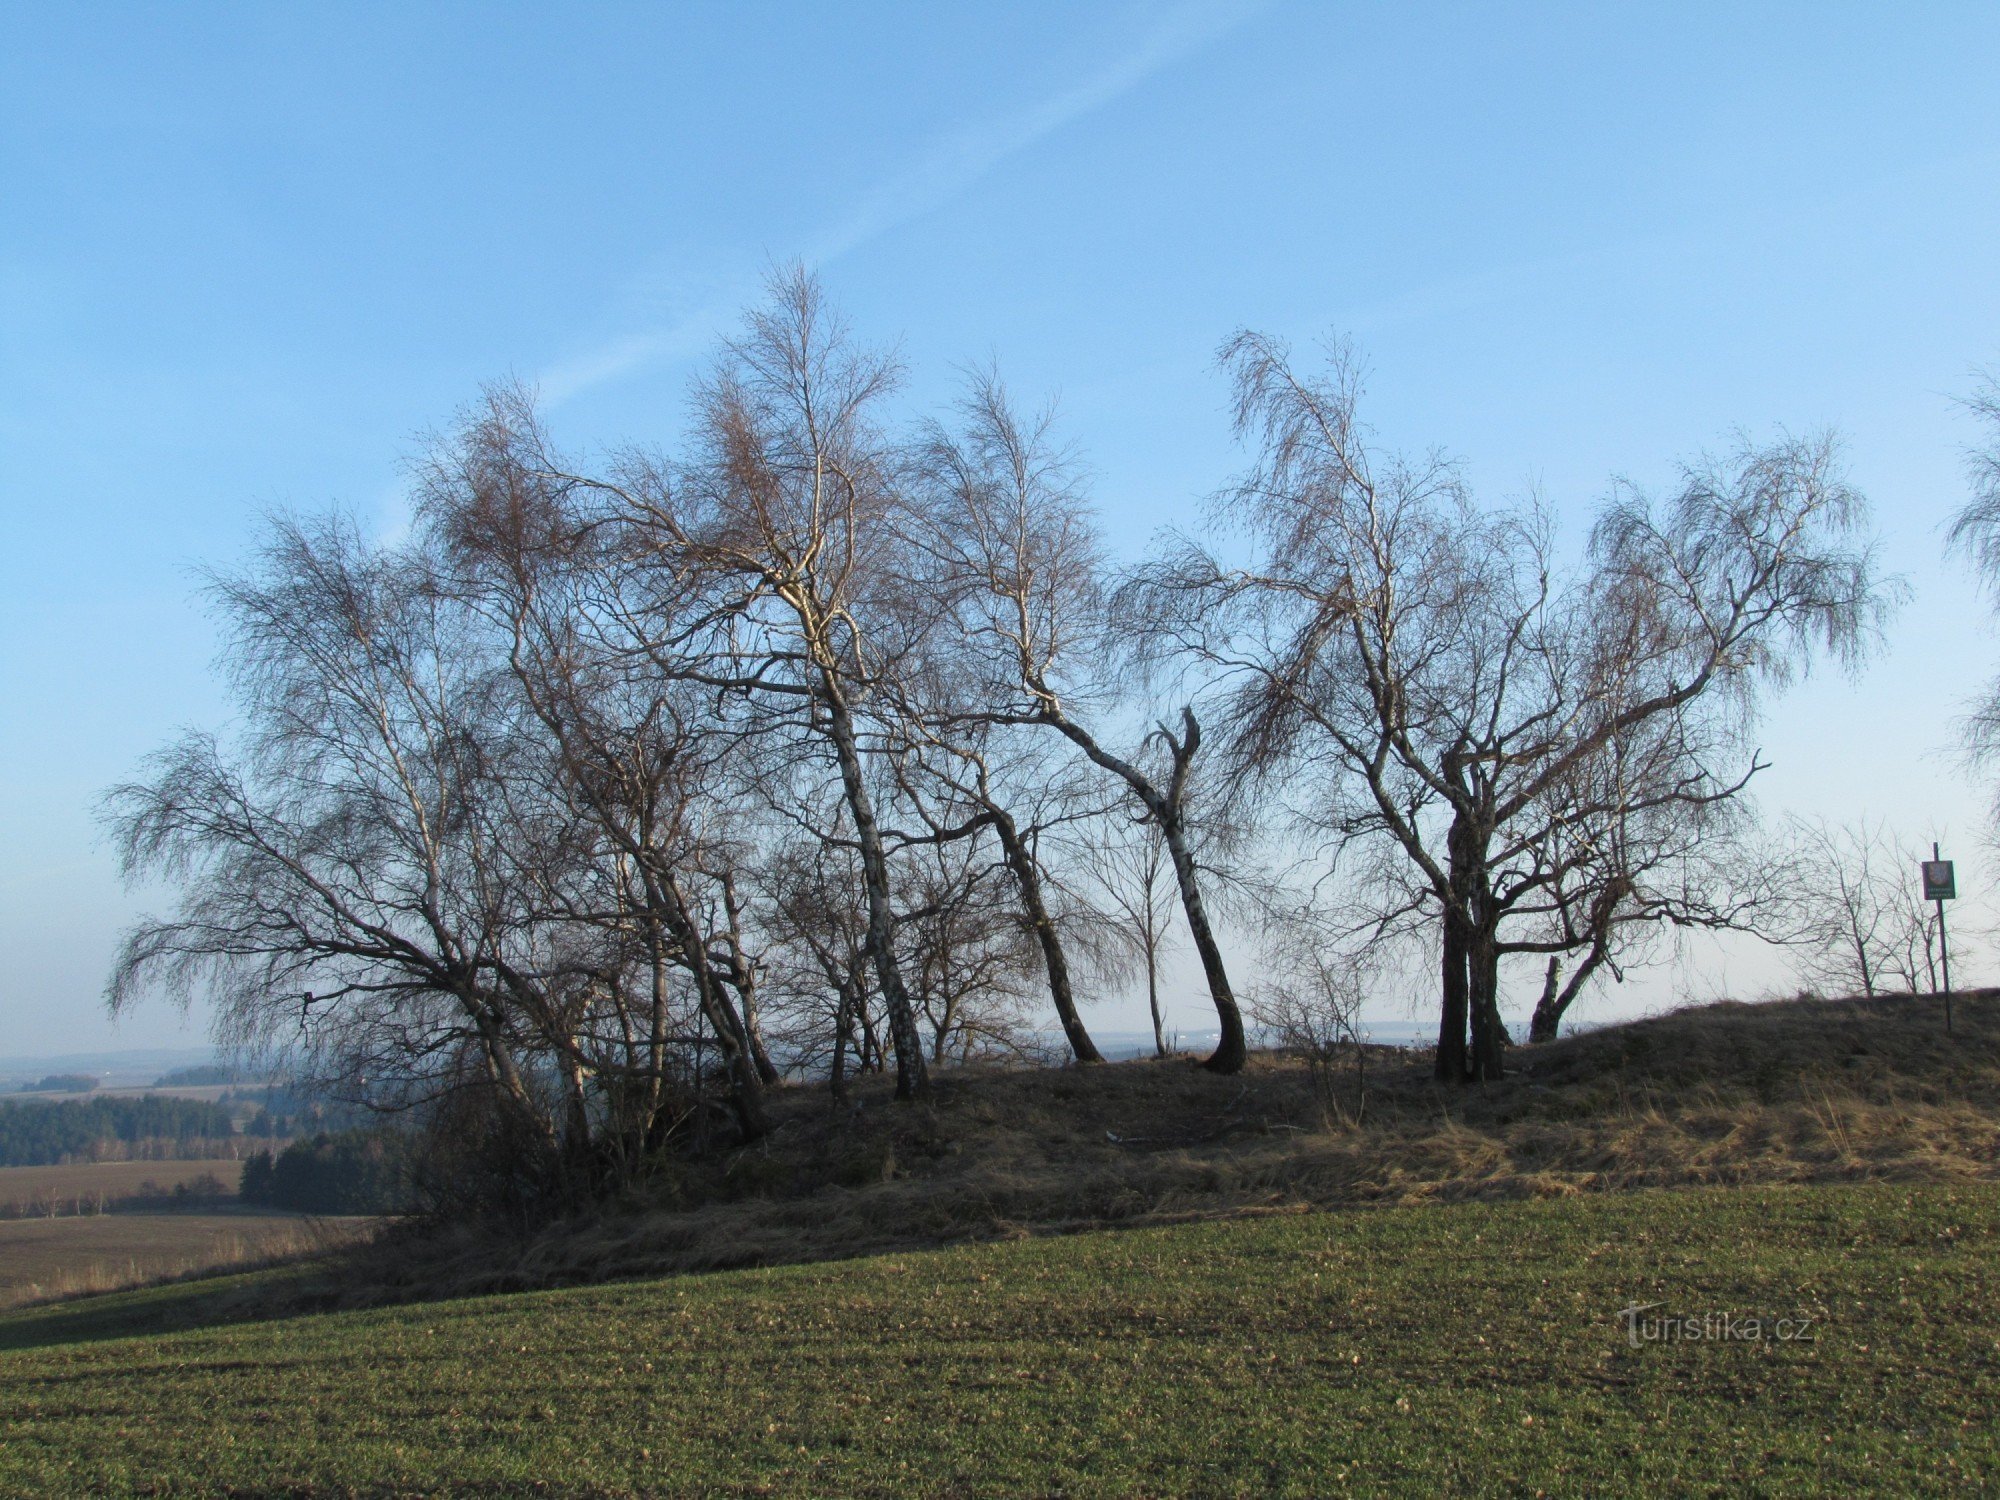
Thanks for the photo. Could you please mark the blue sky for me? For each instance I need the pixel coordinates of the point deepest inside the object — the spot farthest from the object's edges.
(247, 253)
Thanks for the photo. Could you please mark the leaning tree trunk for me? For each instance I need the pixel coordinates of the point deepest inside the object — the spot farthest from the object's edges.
(1231, 1051)
(1022, 863)
(746, 1089)
(1555, 1003)
(504, 1074)
(912, 1077)
(1548, 1009)
(743, 979)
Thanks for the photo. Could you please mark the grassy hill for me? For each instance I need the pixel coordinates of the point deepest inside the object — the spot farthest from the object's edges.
(1796, 1092)
(1153, 1281)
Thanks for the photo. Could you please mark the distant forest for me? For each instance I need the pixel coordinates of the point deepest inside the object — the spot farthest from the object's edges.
(146, 1127)
(61, 1083)
(201, 1075)
(349, 1172)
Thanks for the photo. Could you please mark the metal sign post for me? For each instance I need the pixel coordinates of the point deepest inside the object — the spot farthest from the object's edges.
(1941, 885)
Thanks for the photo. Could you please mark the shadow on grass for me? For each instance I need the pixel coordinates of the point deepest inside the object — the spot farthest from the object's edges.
(245, 1297)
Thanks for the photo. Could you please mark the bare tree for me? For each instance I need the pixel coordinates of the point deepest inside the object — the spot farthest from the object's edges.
(812, 913)
(1862, 924)
(969, 956)
(1417, 670)
(1013, 548)
(638, 754)
(351, 882)
(1311, 1008)
(965, 774)
(1131, 880)
(766, 568)
(1628, 847)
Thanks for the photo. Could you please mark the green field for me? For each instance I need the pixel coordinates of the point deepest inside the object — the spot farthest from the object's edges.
(1462, 1348)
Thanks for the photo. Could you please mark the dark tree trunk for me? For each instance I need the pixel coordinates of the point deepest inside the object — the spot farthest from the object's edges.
(1548, 1013)
(1454, 1064)
(745, 1087)
(1231, 1050)
(843, 1026)
(1549, 1010)
(1471, 979)
(1555, 1003)
(1489, 1035)
(505, 1075)
(1153, 996)
(1022, 862)
(869, 1050)
(1451, 1055)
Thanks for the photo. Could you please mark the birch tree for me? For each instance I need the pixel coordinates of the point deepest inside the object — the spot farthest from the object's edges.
(1015, 552)
(1419, 671)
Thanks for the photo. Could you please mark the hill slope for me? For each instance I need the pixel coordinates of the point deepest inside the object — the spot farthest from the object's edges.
(1470, 1347)
(1799, 1091)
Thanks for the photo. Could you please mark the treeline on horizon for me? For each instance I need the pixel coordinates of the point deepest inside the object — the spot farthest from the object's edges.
(144, 1127)
(59, 1083)
(208, 1075)
(835, 736)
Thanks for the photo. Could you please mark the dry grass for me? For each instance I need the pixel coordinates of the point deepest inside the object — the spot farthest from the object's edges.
(1801, 1091)
(44, 1260)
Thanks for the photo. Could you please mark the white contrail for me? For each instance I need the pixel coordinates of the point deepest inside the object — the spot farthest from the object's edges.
(938, 175)
(960, 159)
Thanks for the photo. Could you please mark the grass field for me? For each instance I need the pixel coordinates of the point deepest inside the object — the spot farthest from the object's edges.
(42, 1258)
(1444, 1348)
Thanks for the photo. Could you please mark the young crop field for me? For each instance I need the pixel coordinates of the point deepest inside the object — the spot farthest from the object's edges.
(1787, 1340)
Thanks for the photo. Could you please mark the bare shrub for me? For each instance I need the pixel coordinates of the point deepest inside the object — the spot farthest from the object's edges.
(1314, 1014)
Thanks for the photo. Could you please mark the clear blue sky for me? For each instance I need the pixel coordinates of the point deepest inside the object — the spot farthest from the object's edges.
(247, 252)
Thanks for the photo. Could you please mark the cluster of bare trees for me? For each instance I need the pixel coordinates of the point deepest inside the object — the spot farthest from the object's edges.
(1527, 755)
(834, 742)
(1858, 918)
